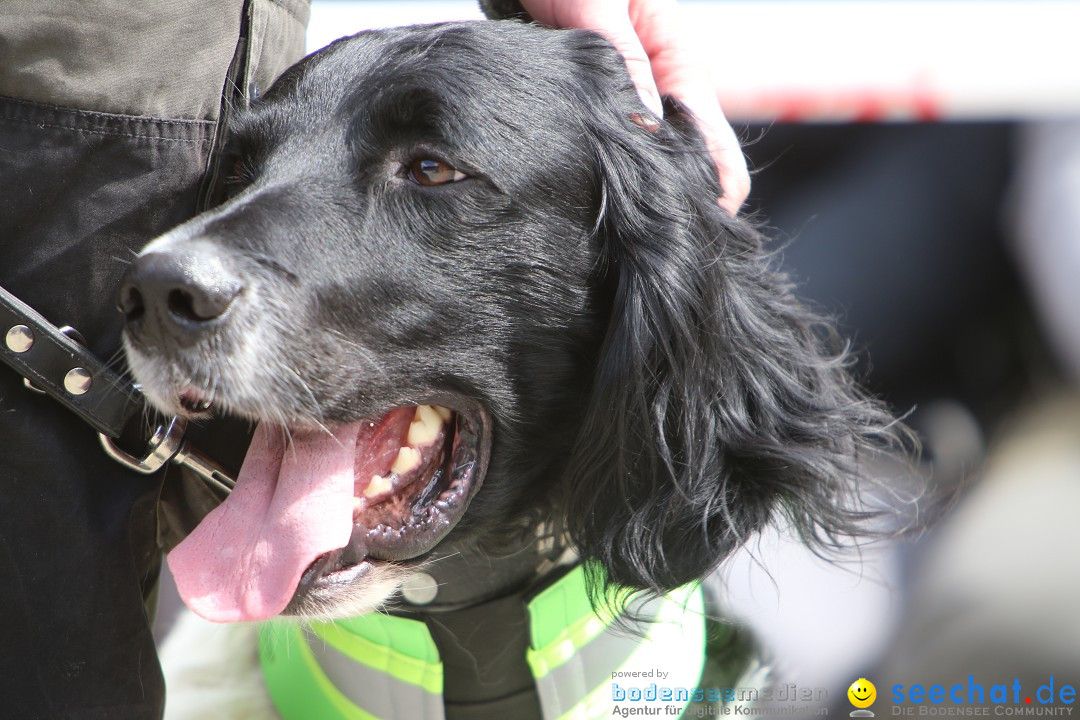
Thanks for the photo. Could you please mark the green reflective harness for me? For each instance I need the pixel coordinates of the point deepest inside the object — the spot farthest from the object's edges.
(384, 667)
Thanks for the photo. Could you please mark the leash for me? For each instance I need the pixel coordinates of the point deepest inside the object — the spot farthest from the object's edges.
(55, 361)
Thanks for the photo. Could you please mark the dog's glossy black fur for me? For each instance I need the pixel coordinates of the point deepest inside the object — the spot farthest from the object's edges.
(650, 377)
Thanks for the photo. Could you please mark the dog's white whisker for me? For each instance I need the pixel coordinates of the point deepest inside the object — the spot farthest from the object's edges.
(435, 560)
(315, 411)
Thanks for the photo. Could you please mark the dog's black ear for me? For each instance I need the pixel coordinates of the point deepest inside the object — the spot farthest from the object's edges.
(719, 401)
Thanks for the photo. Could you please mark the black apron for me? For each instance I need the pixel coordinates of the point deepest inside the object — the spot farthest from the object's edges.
(109, 121)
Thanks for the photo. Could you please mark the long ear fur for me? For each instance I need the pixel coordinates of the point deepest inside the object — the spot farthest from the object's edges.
(719, 401)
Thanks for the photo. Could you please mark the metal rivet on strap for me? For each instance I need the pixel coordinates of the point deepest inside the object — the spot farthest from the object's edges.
(419, 588)
(19, 338)
(77, 381)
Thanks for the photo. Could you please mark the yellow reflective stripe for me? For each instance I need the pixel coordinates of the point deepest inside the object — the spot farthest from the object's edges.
(300, 689)
(565, 603)
(561, 620)
(422, 673)
(406, 636)
(675, 640)
(564, 646)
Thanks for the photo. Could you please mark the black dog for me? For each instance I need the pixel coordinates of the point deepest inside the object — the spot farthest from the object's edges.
(481, 219)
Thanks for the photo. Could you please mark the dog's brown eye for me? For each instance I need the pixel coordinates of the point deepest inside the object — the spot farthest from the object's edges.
(428, 172)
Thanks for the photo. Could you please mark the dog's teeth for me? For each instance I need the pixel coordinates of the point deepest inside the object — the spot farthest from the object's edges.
(407, 459)
(425, 426)
(430, 415)
(377, 486)
(444, 413)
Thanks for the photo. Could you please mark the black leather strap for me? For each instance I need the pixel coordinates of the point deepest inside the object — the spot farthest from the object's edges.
(479, 621)
(47, 358)
(483, 650)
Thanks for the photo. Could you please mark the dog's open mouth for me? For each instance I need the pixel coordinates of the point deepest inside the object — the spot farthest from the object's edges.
(313, 510)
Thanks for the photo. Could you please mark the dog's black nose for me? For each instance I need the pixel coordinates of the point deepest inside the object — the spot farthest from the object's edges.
(176, 295)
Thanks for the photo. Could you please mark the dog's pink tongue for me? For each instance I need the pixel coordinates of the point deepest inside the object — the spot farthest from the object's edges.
(291, 504)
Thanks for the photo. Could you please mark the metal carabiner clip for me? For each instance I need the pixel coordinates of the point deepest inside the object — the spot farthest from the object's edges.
(168, 444)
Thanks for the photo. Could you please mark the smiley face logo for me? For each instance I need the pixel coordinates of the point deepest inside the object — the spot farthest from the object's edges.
(862, 693)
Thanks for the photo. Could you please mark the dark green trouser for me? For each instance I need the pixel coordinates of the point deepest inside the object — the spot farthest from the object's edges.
(109, 114)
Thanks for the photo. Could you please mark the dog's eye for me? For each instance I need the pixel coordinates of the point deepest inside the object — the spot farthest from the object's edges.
(428, 172)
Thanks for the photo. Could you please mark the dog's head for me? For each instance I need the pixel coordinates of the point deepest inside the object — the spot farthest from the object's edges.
(464, 281)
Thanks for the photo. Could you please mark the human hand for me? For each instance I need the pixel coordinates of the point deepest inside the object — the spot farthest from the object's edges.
(648, 35)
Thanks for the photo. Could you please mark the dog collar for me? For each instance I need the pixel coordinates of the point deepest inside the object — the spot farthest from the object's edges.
(387, 667)
(56, 361)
